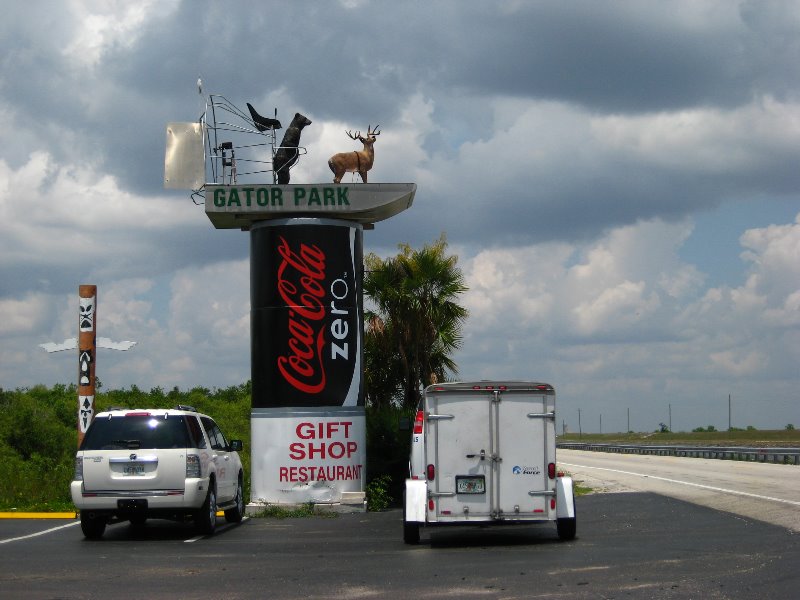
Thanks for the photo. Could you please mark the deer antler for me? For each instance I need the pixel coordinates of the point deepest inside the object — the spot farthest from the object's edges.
(353, 137)
(374, 131)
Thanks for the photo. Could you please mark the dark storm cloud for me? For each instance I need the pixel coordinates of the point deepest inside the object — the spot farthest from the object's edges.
(360, 64)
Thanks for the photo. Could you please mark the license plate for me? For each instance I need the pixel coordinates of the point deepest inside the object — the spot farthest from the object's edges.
(471, 485)
(133, 470)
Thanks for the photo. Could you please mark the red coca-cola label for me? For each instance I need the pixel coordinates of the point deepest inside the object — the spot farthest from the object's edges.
(303, 368)
(306, 316)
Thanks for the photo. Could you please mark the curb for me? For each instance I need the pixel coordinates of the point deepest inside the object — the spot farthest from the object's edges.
(52, 515)
(38, 515)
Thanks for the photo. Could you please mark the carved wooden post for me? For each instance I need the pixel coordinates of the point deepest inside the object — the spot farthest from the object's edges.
(87, 355)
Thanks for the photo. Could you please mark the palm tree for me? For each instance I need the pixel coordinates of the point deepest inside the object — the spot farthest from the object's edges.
(414, 324)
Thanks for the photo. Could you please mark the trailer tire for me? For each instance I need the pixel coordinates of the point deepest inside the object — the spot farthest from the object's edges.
(410, 532)
(568, 527)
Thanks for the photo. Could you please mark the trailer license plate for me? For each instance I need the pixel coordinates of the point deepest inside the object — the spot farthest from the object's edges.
(133, 470)
(471, 485)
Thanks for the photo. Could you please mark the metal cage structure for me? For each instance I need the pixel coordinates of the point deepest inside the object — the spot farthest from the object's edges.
(235, 146)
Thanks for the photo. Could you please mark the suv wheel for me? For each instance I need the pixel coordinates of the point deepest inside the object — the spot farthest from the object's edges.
(206, 519)
(235, 514)
(93, 525)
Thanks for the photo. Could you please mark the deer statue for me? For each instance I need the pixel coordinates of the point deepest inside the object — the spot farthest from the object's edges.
(357, 161)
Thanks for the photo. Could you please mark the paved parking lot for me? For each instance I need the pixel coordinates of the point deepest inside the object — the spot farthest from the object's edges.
(632, 545)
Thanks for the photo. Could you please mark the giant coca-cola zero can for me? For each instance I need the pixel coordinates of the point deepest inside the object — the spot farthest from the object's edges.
(306, 313)
(308, 427)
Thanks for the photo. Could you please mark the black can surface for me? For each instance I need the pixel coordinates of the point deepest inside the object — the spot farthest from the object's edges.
(306, 313)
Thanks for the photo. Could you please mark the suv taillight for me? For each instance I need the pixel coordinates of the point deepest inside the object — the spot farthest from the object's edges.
(78, 476)
(419, 421)
(192, 466)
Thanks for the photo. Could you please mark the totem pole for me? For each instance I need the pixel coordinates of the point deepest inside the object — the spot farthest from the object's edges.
(87, 351)
(87, 343)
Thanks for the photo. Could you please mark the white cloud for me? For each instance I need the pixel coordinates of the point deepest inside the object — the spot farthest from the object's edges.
(614, 308)
(774, 253)
(24, 315)
(217, 294)
(98, 25)
(705, 139)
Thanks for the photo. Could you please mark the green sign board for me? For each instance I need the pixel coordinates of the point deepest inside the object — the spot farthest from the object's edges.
(238, 206)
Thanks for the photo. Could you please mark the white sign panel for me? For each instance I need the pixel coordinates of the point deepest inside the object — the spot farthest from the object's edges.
(307, 455)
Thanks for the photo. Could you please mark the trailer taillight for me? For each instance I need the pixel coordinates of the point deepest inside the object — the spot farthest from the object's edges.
(431, 472)
(551, 470)
(419, 421)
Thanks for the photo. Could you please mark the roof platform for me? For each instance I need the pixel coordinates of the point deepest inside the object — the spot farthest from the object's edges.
(239, 206)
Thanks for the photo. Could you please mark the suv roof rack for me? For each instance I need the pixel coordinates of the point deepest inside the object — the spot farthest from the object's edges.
(186, 407)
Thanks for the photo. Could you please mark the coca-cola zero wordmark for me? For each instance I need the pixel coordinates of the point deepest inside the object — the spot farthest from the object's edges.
(306, 314)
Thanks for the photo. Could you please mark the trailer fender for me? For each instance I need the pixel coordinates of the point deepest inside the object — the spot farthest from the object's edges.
(565, 502)
(416, 497)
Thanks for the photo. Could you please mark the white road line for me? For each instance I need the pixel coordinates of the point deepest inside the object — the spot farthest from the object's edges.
(33, 535)
(689, 483)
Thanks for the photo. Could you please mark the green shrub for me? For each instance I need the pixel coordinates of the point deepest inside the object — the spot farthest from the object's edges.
(378, 497)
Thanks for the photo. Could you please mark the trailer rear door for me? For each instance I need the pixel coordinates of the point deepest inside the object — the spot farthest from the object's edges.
(491, 445)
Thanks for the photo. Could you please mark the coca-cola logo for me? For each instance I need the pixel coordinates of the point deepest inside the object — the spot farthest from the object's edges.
(306, 324)
(301, 276)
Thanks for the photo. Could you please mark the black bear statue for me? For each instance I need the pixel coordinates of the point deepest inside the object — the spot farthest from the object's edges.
(286, 155)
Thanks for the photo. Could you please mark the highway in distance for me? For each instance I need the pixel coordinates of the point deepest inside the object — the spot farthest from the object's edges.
(763, 491)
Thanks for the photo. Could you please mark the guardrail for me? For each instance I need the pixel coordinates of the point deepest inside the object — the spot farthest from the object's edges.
(789, 456)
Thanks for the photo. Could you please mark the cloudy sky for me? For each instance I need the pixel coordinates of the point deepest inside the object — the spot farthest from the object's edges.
(620, 181)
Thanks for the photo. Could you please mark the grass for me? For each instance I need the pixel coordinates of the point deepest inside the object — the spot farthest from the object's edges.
(24, 506)
(755, 437)
(302, 511)
(577, 488)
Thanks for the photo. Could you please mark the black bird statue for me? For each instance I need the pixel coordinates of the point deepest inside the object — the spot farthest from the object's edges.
(263, 123)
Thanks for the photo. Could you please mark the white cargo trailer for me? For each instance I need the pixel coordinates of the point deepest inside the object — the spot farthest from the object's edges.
(484, 453)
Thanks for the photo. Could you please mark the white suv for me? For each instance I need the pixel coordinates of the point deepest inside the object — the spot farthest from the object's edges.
(134, 464)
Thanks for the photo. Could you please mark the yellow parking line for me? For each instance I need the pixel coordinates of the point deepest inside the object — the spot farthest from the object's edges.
(37, 515)
(53, 515)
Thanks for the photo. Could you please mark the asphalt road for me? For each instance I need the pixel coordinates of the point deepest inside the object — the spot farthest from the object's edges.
(629, 545)
(764, 491)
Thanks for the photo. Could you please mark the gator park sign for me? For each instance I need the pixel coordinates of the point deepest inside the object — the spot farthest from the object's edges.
(239, 206)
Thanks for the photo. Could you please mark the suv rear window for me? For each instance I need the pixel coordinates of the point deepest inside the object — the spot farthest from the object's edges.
(136, 432)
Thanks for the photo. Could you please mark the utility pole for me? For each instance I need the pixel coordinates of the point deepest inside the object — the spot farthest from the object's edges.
(601, 422)
(670, 418)
(629, 420)
(729, 412)
(580, 429)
